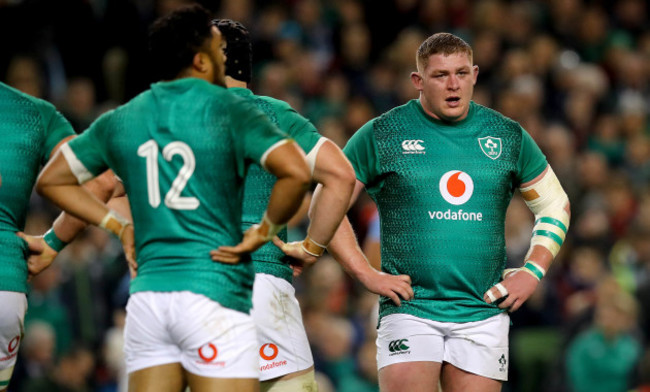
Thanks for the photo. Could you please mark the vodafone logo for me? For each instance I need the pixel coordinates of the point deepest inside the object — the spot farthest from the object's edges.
(13, 344)
(456, 187)
(208, 353)
(268, 351)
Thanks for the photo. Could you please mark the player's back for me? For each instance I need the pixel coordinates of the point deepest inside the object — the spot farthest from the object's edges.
(29, 130)
(269, 258)
(178, 153)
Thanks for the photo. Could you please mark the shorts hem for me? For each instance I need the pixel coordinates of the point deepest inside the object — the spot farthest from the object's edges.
(269, 377)
(141, 365)
(226, 375)
(379, 367)
(464, 368)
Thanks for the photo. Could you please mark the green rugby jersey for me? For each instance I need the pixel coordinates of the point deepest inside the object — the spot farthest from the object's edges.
(442, 191)
(269, 259)
(182, 150)
(30, 128)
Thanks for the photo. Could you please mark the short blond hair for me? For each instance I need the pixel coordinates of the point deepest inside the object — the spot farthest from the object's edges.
(441, 43)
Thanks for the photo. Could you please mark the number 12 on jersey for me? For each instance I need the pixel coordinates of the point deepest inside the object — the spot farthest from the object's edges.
(173, 199)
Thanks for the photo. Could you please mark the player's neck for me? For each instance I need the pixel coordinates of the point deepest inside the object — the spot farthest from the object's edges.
(230, 82)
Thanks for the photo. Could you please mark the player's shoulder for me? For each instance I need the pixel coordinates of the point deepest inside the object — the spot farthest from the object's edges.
(278, 103)
(396, 117)
(488, 115)
(26, 99)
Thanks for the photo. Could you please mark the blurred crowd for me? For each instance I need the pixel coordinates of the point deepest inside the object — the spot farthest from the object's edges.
(574, 73)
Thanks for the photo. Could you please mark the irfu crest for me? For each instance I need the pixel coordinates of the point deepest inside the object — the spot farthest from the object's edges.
(491, 146)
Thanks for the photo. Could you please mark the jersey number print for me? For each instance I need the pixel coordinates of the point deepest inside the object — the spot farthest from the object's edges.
(149, 150)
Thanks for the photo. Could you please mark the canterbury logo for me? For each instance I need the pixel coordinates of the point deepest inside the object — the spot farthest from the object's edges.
(398, 345)
(412, 147)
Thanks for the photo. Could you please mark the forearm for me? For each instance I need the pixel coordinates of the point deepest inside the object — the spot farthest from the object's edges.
(331, 200)
(285, 199)
(346, 251)
(76, 201)
(328, 208)
(67, 227)
(120, 204)
(550, 204)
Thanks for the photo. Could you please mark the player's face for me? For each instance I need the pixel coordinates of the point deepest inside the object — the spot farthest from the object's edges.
(446, 85)
(218, 57)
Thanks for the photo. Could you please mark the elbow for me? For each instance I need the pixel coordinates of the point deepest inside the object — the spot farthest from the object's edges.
(339, 176)
(103, 186)
(302, 177)
(348, 178)
(342, 178)
(41, 186)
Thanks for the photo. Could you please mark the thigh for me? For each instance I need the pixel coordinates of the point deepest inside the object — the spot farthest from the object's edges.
(215, 341)
(410, 376)
(454, 379)
(12, 317)
(209, 384)
(302, 381)
(283, 345)
(147, 342)
(480, 347)
(162, 378)
(404, 338)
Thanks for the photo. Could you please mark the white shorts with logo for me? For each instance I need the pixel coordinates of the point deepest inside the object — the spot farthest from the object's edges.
(206, 338)
(283, 345)
(12, 323)
(479, 347)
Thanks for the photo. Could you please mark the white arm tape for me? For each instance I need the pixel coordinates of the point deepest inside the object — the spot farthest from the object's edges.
(313, 154)
(547, 200)
(270, 149)
(76, 167)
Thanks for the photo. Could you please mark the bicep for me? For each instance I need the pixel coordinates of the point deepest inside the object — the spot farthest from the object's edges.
(57, 172)
(284, 159)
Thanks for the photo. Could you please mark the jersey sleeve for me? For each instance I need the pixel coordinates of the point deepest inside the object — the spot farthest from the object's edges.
(532, 161)
(361, 151)
(56, 128)
(256, 135)
(84, 154)
(299, 128)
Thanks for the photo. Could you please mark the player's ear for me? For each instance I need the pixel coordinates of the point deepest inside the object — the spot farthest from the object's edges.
(416, 79)
(200, 62)
(475, 74)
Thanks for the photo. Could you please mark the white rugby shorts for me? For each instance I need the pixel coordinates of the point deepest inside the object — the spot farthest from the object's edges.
(12, 325)
(479, 347)
(206, 338)
(283, 345)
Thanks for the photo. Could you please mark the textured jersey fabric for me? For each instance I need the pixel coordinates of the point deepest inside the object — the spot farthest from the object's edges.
(30, 128)
(182, 150)
(596, 363)
(442, 191)
(269, 259)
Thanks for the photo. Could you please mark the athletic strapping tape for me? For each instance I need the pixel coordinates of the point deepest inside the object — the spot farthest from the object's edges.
(531, 267)
(268, 229)
(312, 247)
(114, 223)
(534, 269)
